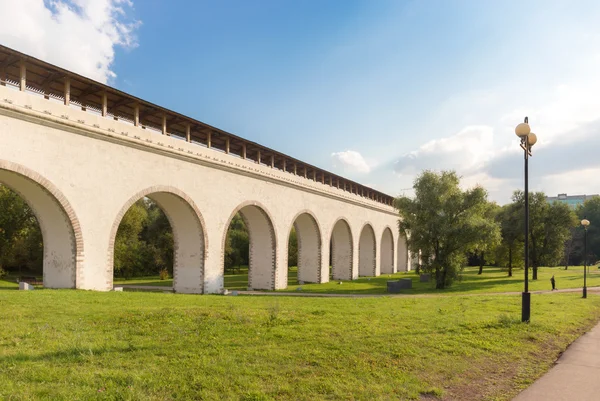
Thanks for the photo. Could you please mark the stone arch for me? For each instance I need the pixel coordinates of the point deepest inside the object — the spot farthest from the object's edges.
(386, 251)
(61, 231)
(189, 236)
(342, 250)
(402, 254)
(262, 269)
(308, 233)
(367, 251)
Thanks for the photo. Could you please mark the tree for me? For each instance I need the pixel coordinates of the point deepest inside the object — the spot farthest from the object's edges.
(489, 237)
(549, 228)
(20, 235)
(237, 243)
(510, 219)
(443, 223)
(129, 249)
(571, 245)
(293, 248)
(158, 236)
(591, 211)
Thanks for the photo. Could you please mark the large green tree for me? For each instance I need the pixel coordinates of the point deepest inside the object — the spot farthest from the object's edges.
(293, 248)
(489, 236)
(237, 244)
(130, 250)
(144, 242)
(444, 223)
(549, 228)
(21, 244)
(510, 217)
(591, 211)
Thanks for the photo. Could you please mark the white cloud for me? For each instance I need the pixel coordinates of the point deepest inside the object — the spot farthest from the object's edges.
(466, 152)
(350, 161)
(79, 35)
(580, 182)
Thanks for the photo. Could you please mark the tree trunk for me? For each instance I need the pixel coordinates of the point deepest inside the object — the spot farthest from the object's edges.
(509, 262)
(535, 269)
(481, 260)
(440, 278)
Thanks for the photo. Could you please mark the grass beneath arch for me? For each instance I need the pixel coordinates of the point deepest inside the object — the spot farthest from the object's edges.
(493, 280)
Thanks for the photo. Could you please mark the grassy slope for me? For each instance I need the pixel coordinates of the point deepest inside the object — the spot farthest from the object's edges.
(90, 345)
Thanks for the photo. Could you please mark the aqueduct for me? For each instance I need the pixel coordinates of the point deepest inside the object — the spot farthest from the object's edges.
(80, 153)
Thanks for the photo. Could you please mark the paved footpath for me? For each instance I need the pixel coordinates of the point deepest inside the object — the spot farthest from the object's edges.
(574, 377)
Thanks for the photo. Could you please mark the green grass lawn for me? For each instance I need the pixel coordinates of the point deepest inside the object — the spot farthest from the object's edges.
(233, 280)
(80, 345)
(492, 280)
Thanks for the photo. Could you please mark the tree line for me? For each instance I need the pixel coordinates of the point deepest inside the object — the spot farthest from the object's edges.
(449, 227)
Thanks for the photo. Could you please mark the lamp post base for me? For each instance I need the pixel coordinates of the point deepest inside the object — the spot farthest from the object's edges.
(526, 307)
(584, 292)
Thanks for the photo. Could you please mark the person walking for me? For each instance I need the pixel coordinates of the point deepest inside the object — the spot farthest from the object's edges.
(553, 281)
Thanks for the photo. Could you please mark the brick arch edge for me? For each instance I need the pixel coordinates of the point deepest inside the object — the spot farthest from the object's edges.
(148, 192)
(72, 219)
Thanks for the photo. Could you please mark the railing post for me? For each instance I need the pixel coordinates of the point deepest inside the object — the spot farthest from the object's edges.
(188, 133)
(227, 145)
(208, 140)
(104, 104)
(23, 76)
(67, 91)
(136, 114)
(243, 150)
(47, 90)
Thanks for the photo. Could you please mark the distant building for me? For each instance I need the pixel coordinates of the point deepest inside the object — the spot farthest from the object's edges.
(571, 200)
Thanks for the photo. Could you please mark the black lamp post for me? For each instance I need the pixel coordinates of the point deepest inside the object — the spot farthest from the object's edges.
(528, 139)
(585, 223)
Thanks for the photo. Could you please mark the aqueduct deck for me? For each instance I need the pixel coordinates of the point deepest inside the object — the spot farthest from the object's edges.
(81, 153)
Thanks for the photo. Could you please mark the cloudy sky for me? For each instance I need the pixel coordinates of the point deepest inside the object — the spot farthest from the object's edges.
(374, 90)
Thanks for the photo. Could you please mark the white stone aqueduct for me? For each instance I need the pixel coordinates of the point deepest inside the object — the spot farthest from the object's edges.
(81, 171)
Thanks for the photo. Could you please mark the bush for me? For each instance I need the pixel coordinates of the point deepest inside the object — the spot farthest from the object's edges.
(163, 274)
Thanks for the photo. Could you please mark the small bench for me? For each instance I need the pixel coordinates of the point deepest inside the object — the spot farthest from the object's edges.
(394, 287)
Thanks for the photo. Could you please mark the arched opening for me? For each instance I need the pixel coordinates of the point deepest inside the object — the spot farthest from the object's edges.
(160, 235)
(402, 254)
(341, 251)
(306, 232)
(56, 236)
(367, 252)
(387, 252)
(259, 245)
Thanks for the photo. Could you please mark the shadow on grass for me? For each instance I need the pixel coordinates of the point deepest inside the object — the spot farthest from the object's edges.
(76, 353)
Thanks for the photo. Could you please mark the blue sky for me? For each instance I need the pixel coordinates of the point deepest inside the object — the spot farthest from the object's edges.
(374, 90)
